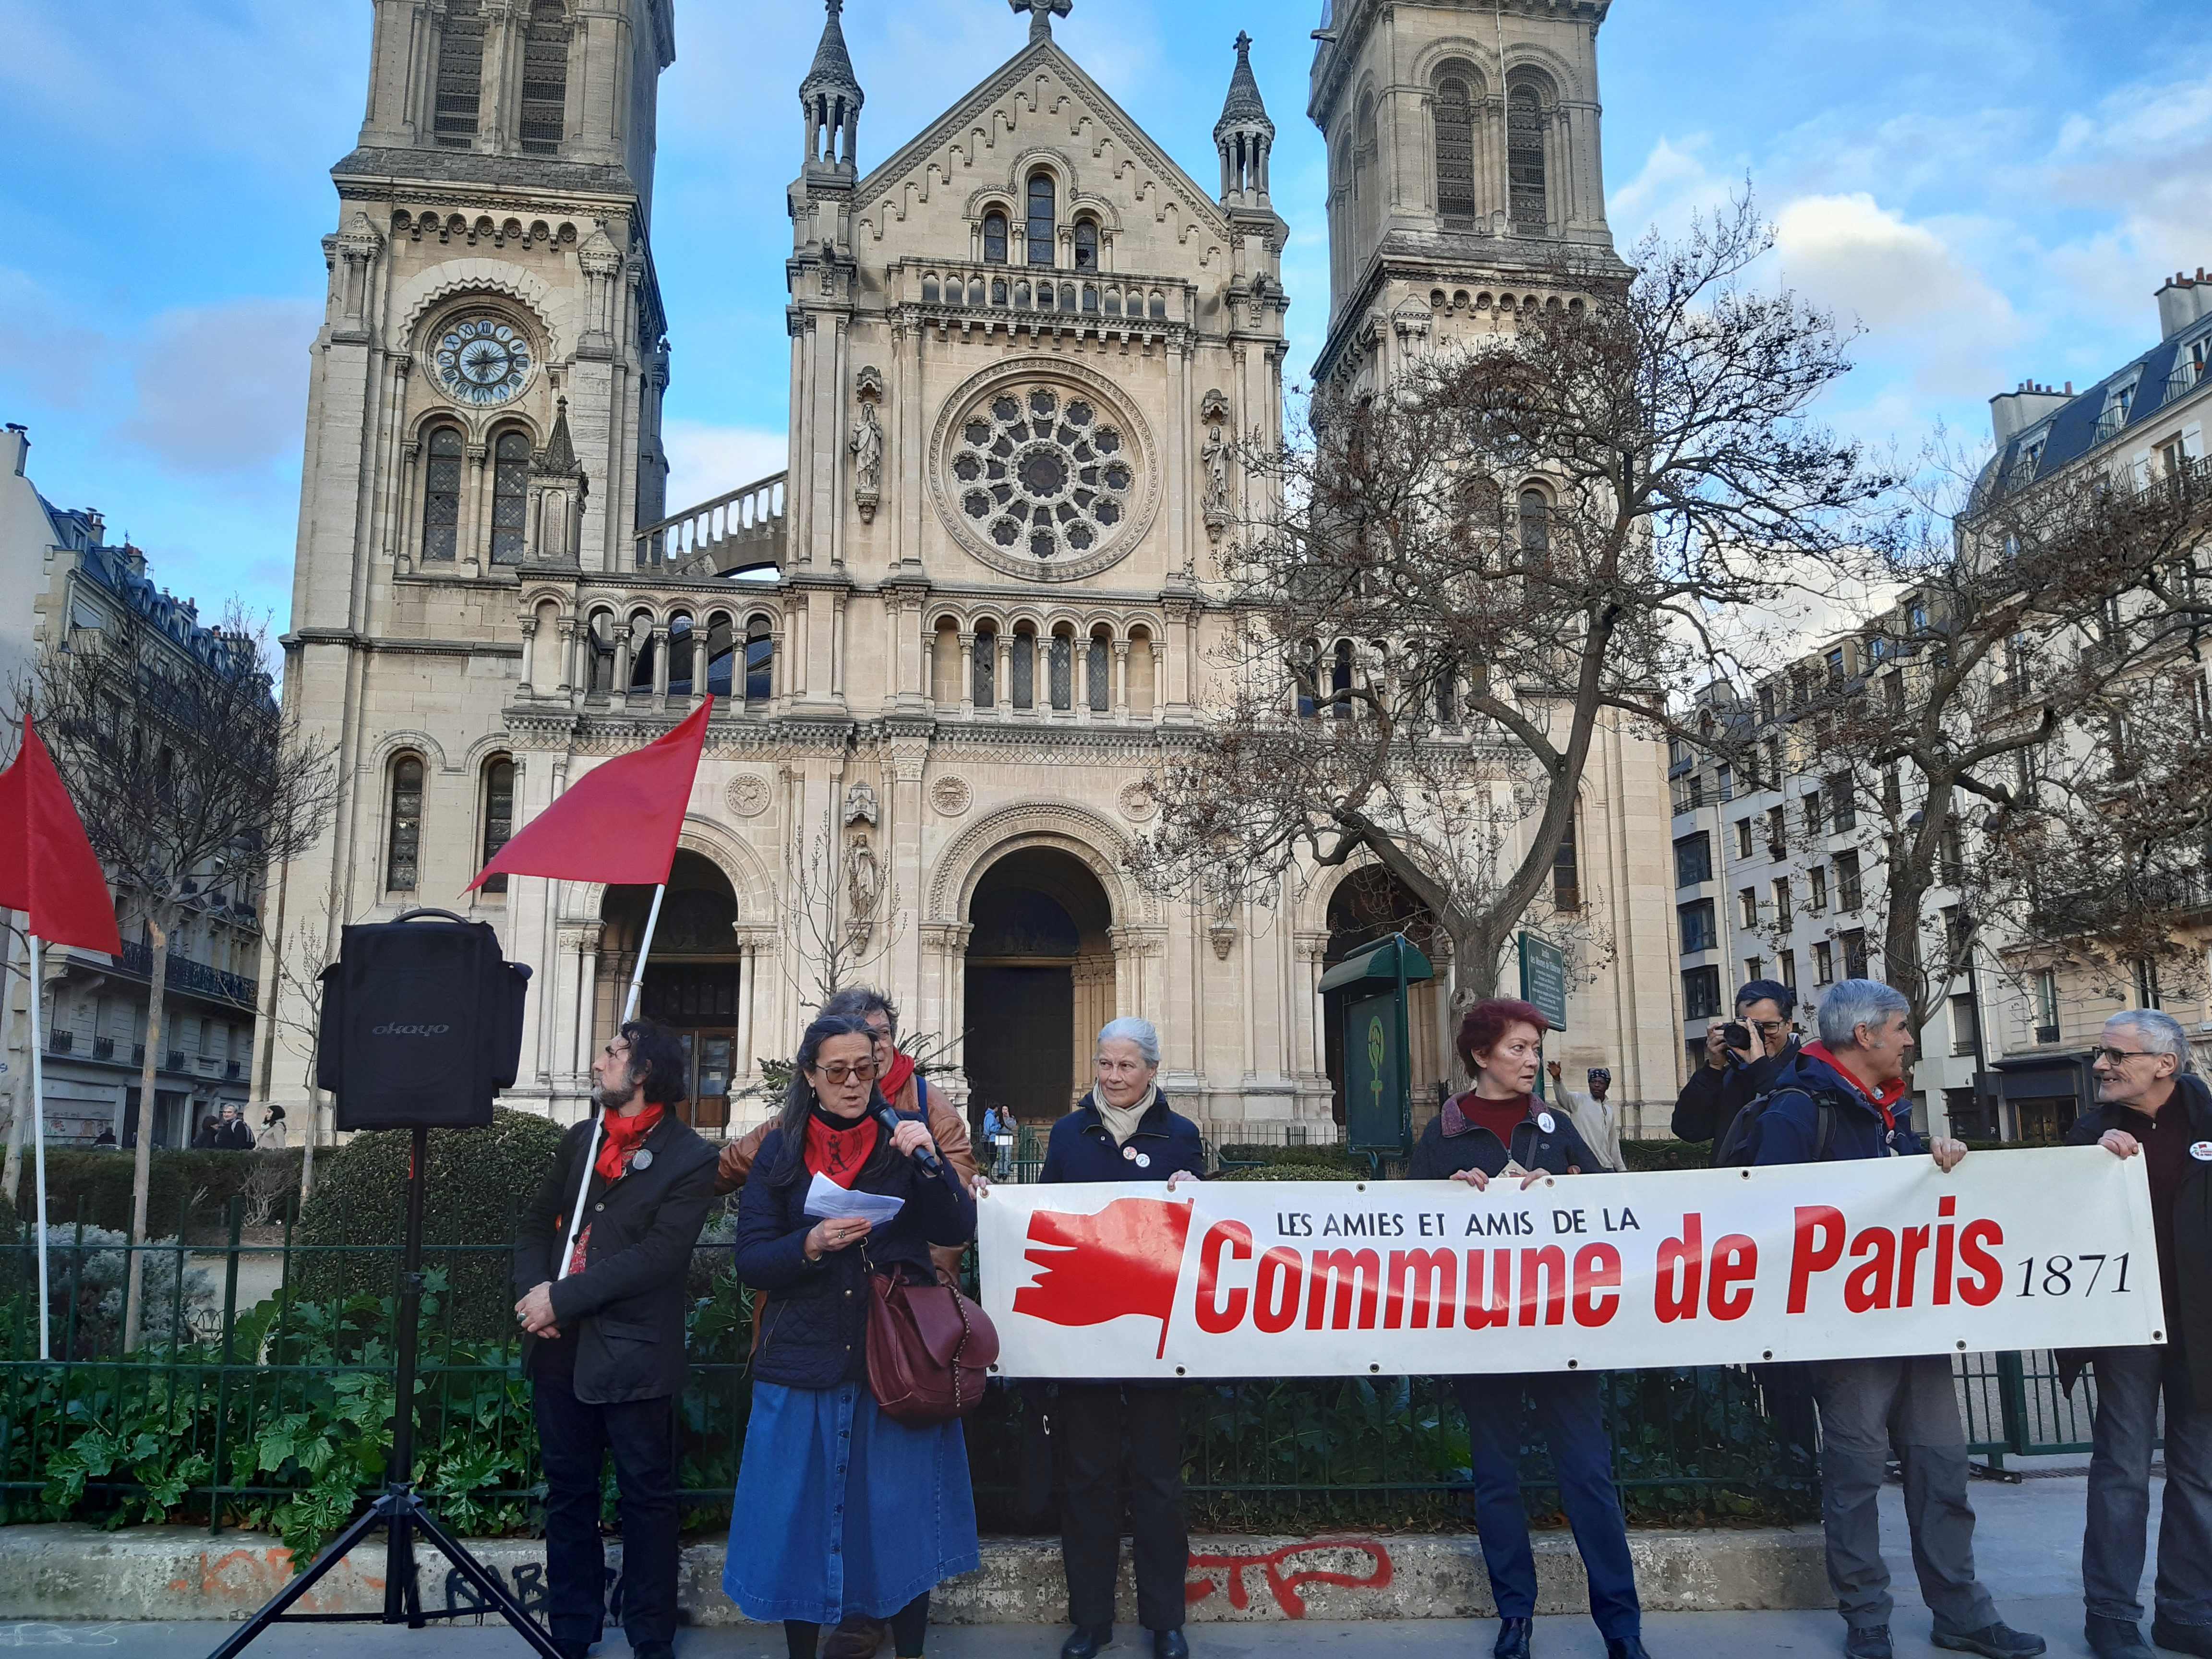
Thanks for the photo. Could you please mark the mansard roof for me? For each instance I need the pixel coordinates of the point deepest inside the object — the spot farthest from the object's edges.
(1038, 58)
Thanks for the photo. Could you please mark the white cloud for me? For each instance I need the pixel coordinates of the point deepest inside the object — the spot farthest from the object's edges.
(223, 388)
(1674, 184)
(1920, 302)
(705, 461)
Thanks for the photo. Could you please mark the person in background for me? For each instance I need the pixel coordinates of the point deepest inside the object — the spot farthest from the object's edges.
(1125, 1130)
(999, 1137)
(208, 1137)
(606, 1356)
(1731, 1079)
(1840, 1099)
(908, 1093)
(233, 1136)
(1593, 1113)
(1495, 1127)
(2150, 1105)
(842, 1513)
(106, 1138)
(270, 1136)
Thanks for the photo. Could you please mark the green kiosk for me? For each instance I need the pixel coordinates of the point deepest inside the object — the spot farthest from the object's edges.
(1368, 993)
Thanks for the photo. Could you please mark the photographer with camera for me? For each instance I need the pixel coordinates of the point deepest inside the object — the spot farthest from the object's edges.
(1743, 1056)
(607, 1360)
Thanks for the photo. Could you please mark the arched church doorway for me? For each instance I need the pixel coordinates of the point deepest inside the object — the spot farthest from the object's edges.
(691, 979)
(1368, 905)
(1040, 983)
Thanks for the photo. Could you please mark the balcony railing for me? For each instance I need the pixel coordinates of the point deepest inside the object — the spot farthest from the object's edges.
(194, 978)
(103, 1048)
(2182, 381)
(60, 1043)
(1088, 299)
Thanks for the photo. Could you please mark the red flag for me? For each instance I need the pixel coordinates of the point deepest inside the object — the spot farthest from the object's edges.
(619, 823)
(1125, 1260)
(48, 868)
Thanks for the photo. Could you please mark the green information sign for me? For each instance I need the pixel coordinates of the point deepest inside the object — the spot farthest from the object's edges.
(1543, 979)
(1376, 1108)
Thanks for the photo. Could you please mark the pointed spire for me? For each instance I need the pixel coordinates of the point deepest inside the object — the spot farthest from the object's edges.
(833, 63)
(1243, 106)
(1041, 12)
(559, 459)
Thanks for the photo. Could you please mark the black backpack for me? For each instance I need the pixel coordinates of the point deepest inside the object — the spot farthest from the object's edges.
(1738, 1144)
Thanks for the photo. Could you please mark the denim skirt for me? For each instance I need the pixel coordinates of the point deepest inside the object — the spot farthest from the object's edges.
(842, 1512)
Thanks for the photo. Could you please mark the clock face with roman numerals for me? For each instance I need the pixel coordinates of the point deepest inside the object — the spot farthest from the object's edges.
(482, 362)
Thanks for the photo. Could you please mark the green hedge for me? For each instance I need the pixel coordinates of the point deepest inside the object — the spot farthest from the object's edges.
(187, 1192)
(479, 1181)
(1667, 1154)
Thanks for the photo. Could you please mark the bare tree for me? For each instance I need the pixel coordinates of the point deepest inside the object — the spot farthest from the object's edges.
(190, 781)
(296, 1006)
(847, 915)
(1462, 579)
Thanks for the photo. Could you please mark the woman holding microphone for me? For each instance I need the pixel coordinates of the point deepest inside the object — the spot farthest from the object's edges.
(840, 1510)
(1498, 1129)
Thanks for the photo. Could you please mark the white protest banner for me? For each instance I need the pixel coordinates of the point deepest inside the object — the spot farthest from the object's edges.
(2014, 1250)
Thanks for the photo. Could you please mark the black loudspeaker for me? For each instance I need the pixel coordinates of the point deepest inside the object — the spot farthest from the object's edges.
(422, 1024)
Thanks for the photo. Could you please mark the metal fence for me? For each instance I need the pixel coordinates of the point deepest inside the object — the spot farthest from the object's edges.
(262, 1392)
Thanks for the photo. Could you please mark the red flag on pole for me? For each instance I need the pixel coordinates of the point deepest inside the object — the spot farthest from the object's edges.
(48, 868)
(619, 823)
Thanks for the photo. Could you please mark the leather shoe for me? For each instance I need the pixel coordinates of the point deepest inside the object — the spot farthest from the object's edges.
(1087, 1641)
(2116, 1638)
(1513, 1638)
(1625, 1647)
(856, 1638)
(2183, 1638)
(1170, 1644)
(1997, 1641)
(1867, 1642)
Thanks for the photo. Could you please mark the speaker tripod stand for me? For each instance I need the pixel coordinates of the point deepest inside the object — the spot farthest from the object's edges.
(400, 1513)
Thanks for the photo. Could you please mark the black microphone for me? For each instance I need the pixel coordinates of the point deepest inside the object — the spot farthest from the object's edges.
(923, 1155)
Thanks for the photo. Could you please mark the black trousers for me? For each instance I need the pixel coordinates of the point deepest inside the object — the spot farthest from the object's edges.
(573, 1439)
(1103, 1433)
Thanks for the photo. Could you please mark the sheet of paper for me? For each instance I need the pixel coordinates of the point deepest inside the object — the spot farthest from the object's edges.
(827, 1202)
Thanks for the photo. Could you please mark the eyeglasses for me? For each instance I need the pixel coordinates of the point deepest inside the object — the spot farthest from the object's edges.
(837, 1072)
(2116, 1055)
(1768, 1027)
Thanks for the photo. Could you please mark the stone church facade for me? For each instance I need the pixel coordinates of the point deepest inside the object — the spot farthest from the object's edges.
(951, 643)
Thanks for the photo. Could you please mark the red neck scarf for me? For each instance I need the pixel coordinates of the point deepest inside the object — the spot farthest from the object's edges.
(896, 1080)
(1882, 1099)
(619, 1138)
(837, 1149)
(1500, 1117)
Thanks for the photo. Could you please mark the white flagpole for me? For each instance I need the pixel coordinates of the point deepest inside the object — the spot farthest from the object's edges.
(38, 1144)
(592, 1151)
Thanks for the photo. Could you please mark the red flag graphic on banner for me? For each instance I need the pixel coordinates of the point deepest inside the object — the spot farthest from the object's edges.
(619, 823)
(1125, 1260)
(48, 868)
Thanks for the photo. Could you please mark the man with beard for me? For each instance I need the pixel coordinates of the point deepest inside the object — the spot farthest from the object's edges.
(605, 1357)
(2150, 1105)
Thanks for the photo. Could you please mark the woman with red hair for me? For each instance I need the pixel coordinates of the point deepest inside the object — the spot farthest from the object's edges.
(1499, 1129)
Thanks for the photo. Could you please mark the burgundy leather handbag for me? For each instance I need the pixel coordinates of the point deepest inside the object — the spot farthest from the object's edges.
(930, 1349)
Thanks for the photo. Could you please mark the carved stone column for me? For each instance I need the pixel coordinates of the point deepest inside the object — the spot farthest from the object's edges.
(659, 667)
(621, 687)
(569, 629)
(1122, 683)
(967, 676)
(1002, 681)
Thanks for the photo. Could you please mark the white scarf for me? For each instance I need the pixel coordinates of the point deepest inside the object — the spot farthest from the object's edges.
(1121, 1122)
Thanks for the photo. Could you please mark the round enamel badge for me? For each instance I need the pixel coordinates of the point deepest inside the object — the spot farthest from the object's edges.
(2202, 1151)
(1144, 1161)
(1545, 1123)
(642, 1159)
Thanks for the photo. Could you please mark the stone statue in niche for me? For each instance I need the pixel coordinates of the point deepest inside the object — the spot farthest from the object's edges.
(864, 889)
(861, 804)
(1215, 456)
(866, 444)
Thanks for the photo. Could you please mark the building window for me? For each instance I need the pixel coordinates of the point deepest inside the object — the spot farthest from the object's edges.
(1099, 683)
(1782, 901)
(1340, 681)
(760, 661)
(2146, 975)
(1524, 159)
(460, 75)
(1754, 967)
(1535, 528)
(1061, 671)
(1743, 838)
(1778, 832)
(2046, 1006)
(640, 651)
(1790, 969)
(1023, 667)
(1966, 1026)
(1454, 149)
(510, 496)
(994, 240)
(1854, 954)
(403, 844)
(1842, 802)
(1816, 883)
(1816, 813)
(1747, 908)
(1701, 993)
(1698, 930)
(1043, 217)
(1849, 893)
(682, 644)
(441, 495)
(1724, 782)
(985, 690)
(1086, 245)
(1823, 963)
(498, 815)
(1694, 859)
(1566, 871)
(545, 78)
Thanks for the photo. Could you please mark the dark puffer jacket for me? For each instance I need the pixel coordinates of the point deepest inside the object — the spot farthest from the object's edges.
(814, 1331)
(1166, 1143)
(1546, 1141)
(1791, 1131)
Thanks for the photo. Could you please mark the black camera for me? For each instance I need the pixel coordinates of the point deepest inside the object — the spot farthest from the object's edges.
(1736, 1035)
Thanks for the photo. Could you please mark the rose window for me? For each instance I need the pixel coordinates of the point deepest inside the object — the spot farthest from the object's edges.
(1043, 474)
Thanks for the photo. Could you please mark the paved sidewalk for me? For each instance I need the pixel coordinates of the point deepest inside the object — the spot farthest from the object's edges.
(2028, 1550)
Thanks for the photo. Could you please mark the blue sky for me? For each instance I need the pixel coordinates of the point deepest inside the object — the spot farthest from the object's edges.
(1995, 191)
